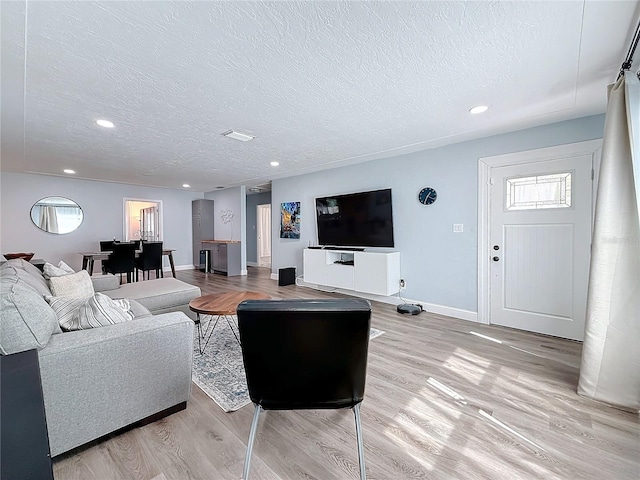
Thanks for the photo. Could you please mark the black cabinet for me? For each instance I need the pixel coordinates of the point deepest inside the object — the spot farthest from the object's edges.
(24, 441)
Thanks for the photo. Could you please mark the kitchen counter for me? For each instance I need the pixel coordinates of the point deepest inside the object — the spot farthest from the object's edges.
(225, 256)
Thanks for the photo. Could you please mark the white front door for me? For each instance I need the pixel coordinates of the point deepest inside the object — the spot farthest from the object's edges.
(539, 245)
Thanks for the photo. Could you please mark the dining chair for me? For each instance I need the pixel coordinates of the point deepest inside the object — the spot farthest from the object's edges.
(122, 260)
(106, 246)
(305, 354)
(150, 259)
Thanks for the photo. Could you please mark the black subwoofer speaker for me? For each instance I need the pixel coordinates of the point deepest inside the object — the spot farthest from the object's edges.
(286, 276)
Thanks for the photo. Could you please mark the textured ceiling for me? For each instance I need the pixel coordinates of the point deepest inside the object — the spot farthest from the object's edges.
(319, 84)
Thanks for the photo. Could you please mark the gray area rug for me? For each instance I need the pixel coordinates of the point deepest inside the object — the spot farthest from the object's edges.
(219, 372)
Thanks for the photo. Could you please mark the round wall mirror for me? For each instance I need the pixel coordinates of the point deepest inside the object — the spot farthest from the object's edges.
(56, 215)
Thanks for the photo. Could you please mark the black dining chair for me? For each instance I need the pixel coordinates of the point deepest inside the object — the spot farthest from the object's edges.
(150, 259)
(122, 260)
(305, 354)
(106, 246)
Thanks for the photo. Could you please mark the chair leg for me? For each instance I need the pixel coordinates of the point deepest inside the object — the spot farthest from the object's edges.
(356, 412)
(252, 437)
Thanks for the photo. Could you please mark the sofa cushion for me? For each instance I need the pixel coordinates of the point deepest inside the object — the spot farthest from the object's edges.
(29, 273)
(26, 321)
(75, 285)
(26, 266)
(39, 284)
(139, 311)
(103, 283)
(158, 294)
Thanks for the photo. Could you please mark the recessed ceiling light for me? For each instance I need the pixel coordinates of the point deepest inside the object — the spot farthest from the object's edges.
(105, 123)
(243, 137)
(479, 109)
(69, 171)
(186, 185)
(274, 164)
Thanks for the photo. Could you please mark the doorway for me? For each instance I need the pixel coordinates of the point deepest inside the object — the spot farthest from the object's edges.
(263, 216)
(142, 220)
(534, 241)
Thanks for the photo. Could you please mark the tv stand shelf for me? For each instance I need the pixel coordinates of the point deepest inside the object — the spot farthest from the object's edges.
(377, 273)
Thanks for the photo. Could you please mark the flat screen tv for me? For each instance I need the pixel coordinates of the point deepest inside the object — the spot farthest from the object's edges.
(363, 219)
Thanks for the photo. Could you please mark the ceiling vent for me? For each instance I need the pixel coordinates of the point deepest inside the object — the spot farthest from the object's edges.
(243, 137)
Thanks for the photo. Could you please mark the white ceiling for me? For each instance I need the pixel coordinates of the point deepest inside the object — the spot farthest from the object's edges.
(319, 84)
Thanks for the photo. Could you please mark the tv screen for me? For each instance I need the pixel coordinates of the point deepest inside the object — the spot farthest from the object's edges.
(362, 219)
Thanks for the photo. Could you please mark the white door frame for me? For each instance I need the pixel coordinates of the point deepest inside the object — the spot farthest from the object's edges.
(125, 215)
(485, 166)
(258, 230)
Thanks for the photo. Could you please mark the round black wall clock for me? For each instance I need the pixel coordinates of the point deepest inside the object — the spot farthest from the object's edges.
(427, 196)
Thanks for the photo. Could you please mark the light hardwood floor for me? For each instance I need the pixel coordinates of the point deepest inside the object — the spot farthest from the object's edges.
(440, 403)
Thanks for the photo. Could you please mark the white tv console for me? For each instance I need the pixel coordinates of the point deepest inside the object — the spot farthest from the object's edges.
(372, 272)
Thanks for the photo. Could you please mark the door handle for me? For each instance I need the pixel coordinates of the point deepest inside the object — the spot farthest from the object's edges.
(496, 247)
(496, 259)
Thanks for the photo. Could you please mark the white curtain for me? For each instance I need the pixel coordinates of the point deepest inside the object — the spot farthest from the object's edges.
(632, 84)
(264, 246)
(610, 368)
(48, 219)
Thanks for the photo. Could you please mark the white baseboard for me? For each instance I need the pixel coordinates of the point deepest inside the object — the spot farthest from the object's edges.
(252, 264)
(179, 267)
(243, 272)
(394, 300)
(444, 310)
(376, 298)
(274, 276)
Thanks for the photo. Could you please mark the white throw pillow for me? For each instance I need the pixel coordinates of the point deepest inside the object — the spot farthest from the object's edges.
(124, 304)
(59, 271)
(76, 313)
(72, 285)
(66, 309)
(65, 267)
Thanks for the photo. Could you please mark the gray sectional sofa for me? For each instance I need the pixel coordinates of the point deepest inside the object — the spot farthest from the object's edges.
(99, 380)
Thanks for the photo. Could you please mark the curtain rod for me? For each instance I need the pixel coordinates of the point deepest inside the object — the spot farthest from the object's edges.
(628, 61)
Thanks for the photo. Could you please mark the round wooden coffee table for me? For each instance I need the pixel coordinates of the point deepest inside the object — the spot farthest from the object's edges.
(218, 305)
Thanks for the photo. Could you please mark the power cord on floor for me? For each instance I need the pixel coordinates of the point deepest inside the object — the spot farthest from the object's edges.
(314, 287)
(408, 308)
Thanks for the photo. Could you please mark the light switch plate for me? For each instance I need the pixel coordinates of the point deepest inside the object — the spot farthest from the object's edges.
(458, 228)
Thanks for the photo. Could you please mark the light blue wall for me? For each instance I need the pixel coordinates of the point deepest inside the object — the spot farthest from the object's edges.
(252, 233)
(102, 204)
(233, 199)
(440, 267)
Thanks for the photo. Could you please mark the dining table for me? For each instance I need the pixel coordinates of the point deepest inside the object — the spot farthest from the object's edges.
(88, 258)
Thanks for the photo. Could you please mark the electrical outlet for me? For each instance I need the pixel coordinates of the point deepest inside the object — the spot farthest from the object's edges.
(403, 284)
